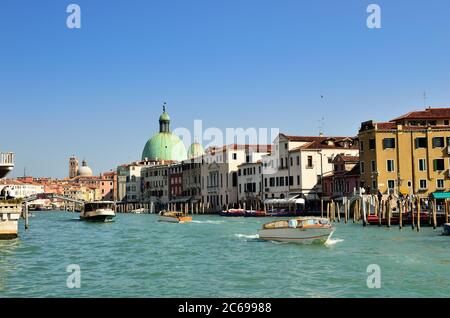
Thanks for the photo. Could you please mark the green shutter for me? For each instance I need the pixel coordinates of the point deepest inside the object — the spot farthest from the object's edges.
(435, 165)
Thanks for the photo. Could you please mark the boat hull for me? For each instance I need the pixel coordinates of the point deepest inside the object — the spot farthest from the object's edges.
(171, 219)
(296, 235)
(98, 216)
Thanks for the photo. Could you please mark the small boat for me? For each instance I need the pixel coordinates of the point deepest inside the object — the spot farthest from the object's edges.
(305, 230)
(174, 217)
(100, 211)
(139, 211)
(255, 213)
(233, 212)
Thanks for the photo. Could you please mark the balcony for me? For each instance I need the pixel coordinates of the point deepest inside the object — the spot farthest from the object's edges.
(6, 163)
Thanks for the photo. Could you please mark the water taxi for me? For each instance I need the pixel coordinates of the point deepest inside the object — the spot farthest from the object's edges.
(100, 211)
(305, 230)
(174, 217)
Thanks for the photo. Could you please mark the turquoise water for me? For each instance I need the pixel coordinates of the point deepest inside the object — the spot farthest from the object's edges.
(136, 256)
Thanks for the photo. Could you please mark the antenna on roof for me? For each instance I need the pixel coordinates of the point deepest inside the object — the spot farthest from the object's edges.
(425, 99)
(321, 126)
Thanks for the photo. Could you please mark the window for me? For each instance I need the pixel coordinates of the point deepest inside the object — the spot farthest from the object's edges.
(373, 166)
(291, 180)
(281, 181)
(292, 161)
(298, 180)
(285, 146)
(440, 183)
(361, 166)
(272, 182)
(374, 184)
(281, 162)
(235, 179)
(438, 164)
(391, 184)
(298, 161)
(389, 143)
(361, 146)
(446, 122)
(390, 165)
(372, 144)
(421, 142)
(310, 162)
(438, 142)
(234, 156)
(265, 182)
(422, 165)
(423, 184)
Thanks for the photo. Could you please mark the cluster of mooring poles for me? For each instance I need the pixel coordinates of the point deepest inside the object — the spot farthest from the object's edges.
(388, 211)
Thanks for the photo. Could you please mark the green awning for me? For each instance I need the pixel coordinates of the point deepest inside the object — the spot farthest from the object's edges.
(441, 195)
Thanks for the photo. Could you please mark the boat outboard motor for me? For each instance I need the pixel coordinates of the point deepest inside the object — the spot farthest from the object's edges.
(293, 224)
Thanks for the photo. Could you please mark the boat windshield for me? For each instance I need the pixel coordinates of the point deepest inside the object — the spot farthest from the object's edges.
(98, 205)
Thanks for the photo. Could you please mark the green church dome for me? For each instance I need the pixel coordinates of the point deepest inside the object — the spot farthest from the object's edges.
(164, 145)
(195, 150)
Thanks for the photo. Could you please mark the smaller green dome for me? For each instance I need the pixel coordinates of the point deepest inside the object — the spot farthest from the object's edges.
(164, 117)
(195, 150)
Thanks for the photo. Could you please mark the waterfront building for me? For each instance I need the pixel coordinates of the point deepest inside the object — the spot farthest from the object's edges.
(344, 179)
(129, 183)
(409, 154)
(250, 184)
(20, 190)
(298, 163)
(219, 172)
(155, 183)
(192, 173)
(164, 146)
(175, 180)
(108, 186)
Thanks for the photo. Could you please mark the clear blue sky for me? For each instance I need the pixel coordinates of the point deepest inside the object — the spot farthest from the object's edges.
(97, 92)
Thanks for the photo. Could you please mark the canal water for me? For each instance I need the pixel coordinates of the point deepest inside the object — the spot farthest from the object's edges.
(137, 256)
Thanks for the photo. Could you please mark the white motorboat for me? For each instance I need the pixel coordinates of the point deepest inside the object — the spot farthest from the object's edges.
(304, 230)
(100, 211)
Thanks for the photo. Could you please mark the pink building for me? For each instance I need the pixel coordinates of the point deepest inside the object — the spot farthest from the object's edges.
(344, 178)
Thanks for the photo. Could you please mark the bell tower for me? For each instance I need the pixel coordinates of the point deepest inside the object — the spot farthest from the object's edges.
(73, 167)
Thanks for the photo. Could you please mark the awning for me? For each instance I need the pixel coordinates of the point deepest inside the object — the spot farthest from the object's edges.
(180, 200)
(441, 195)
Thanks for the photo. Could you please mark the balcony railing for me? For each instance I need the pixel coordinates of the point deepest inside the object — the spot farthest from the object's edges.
(6, 159)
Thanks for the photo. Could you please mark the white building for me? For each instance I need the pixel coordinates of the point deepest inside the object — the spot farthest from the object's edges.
(298, 164)
(250, 187)
(219, 172)
(129, 184)
(155, 183)
(17, 189)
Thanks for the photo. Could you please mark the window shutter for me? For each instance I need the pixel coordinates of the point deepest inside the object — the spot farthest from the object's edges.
(435, 165)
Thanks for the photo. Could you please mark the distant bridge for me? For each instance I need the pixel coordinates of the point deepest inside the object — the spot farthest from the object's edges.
(51, 196)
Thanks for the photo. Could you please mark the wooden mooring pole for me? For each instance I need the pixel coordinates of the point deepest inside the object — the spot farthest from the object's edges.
(400, 215)
(434, 215)
(26, 216)
(418, 214)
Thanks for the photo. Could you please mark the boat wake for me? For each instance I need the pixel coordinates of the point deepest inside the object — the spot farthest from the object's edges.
(207, 222)
(331, 241)
(245, 236)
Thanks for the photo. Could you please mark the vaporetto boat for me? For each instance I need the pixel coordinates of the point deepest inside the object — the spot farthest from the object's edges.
(305, 230)
(100, 211)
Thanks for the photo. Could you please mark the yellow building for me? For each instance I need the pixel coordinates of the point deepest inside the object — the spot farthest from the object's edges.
(409, 154)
